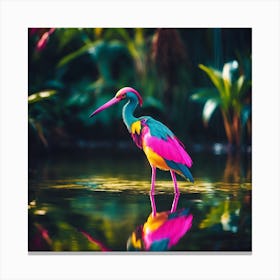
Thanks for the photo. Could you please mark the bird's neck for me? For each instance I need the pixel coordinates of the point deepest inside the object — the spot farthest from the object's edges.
(127, 113)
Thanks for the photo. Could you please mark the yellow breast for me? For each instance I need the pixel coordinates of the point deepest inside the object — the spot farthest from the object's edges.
(154, 159)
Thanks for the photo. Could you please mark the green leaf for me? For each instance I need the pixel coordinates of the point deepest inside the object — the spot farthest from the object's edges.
(66, 36)
(100, 85)
(236, 88)
(202, 95)
(215, 76)
(211, 98)
(85, 49)
(229, 74)
(240, 83)
(245, 114)
(35, 97)
(230, 70)
(123, 33)
(208, 110)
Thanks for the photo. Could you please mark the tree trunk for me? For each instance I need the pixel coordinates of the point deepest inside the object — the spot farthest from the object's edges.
(228, 127)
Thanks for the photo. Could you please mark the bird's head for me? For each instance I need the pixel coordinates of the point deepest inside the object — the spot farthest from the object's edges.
(125, 93)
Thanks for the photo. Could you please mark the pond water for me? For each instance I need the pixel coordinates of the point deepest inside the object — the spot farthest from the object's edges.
(101, 202)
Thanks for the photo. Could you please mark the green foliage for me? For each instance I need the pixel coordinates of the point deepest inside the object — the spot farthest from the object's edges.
(39, 96)
(229, 94)
(221, 214)
(73, 70)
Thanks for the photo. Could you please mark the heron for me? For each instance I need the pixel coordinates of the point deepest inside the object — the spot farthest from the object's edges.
(160, 145)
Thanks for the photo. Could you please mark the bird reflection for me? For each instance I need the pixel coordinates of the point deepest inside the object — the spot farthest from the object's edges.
(162, 230)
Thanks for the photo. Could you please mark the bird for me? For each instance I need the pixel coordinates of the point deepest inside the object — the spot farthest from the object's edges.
(162, 148)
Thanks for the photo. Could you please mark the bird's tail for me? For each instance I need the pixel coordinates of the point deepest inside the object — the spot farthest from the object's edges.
(186, 172)
(181, 169)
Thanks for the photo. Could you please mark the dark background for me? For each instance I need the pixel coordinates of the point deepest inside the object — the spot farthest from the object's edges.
(82, 68)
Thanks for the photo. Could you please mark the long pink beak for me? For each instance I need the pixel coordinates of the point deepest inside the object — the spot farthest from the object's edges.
(105, 106)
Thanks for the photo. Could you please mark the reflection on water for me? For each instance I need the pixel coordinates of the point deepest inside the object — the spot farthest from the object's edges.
(162, 230)
(103, 204)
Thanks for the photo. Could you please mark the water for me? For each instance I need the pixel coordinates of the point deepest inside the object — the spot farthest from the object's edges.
(80, 202)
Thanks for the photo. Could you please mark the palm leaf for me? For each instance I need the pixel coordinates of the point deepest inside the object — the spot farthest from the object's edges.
(215, 76)
(88, 48)
(231, 80)
(237, 87)
(208, 109)
(204, 94)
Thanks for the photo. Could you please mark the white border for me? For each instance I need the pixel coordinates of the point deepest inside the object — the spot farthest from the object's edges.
(17, 16)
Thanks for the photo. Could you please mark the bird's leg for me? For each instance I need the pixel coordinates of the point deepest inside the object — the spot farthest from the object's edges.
(174, 181)
(153, 204)
(153, 180)
(175, 202)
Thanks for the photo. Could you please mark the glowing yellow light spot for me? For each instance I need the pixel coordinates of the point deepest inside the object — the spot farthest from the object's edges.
(44, 94)
(40, 212)
(32, 203)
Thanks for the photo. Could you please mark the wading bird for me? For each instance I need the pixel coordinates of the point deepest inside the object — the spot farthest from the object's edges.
(161, 146)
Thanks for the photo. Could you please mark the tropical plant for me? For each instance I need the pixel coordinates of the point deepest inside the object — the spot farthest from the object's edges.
(85, 66)
(231, 93)
(35, 123)
(225, 213)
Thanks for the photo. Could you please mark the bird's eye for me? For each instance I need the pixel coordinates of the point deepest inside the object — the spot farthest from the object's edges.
(121, 96)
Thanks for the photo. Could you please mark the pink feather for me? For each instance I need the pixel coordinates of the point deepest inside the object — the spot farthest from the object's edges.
(169, 149)
(172, 229)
